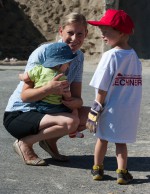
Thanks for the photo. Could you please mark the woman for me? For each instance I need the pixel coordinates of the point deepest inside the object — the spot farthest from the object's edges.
(45, 128)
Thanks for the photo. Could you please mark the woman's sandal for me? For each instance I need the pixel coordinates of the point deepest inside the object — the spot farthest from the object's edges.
(58, 157)
(36, 162)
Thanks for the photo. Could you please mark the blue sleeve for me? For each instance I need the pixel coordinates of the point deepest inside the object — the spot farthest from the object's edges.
(76, 68)
(37, 57)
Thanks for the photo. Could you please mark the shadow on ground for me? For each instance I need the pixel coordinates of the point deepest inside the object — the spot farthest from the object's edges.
(138, 164)
(86, 161)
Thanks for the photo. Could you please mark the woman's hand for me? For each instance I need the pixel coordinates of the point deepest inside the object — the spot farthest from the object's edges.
(31, 94)
(56, 87)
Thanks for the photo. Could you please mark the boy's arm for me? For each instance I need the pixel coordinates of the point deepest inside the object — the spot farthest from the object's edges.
(95, 111)
(24, 77)
(101, 96)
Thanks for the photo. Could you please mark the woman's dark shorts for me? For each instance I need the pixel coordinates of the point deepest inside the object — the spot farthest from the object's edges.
(20, 124)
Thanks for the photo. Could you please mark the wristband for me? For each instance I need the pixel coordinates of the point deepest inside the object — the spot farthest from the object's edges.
(97, 107)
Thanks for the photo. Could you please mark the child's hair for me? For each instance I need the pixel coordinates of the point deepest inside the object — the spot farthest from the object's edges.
(73, 17)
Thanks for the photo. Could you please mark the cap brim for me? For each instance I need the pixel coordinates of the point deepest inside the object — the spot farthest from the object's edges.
(97, 23)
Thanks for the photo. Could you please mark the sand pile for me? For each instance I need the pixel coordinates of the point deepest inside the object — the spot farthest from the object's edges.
(27, 23)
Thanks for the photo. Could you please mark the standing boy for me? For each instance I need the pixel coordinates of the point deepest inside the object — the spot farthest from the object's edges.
(118, 82)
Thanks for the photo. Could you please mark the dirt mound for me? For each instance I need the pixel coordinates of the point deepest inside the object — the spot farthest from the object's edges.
(27, 23)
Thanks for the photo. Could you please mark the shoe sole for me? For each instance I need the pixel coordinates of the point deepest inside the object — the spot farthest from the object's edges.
(97, 177)
(121, 181)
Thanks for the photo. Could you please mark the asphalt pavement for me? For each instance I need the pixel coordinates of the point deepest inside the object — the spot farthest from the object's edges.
(73, 177)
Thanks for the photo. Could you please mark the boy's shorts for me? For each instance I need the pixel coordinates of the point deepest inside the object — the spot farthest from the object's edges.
(20, 124)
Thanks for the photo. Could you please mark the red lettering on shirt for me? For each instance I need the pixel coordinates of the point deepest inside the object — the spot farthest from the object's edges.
(127, 80)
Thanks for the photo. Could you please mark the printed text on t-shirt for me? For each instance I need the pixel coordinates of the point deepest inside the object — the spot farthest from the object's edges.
(127, 80)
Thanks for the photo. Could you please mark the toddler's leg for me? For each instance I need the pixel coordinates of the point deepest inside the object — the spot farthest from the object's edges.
(76, 133)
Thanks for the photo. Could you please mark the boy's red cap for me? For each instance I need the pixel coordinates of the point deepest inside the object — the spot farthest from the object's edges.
(117, 19)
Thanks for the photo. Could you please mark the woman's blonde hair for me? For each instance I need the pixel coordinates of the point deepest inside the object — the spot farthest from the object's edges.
(73, 17)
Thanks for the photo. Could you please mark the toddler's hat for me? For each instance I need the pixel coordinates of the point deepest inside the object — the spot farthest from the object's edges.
(58, 53)
(117, 19)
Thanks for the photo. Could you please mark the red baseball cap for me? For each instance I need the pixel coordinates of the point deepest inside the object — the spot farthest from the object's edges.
(117, 19)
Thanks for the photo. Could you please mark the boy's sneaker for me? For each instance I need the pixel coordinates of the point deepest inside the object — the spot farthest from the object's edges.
(97, 172)
(123, 177)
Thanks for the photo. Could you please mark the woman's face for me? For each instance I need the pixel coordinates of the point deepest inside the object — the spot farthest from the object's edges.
(74, 35)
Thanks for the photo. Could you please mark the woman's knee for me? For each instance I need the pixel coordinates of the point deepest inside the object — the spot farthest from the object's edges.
(73, 123)
(69, 122)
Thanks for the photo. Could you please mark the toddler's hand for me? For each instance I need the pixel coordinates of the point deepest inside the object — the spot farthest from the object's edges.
(21, 76)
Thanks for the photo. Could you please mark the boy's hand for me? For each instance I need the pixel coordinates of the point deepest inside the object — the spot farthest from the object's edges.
(91, 123)
(93, 116)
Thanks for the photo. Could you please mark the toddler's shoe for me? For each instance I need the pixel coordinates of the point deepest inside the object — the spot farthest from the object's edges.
(123, 177)
(97, 172)
(76, 134)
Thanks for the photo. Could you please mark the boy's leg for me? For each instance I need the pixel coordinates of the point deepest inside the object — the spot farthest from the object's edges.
(100, 151)
(121, 155)
(99, 154)
(123, 176)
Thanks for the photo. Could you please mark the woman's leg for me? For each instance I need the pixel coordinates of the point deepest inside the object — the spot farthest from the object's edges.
(51, 127)
(82, 114)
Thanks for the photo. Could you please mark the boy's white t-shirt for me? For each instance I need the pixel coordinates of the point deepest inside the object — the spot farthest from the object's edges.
(119, 72)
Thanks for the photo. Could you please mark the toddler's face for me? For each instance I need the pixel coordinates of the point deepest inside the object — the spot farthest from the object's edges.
(64, 67)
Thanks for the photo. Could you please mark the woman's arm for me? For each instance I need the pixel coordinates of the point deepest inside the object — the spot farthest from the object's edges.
(31, 94)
